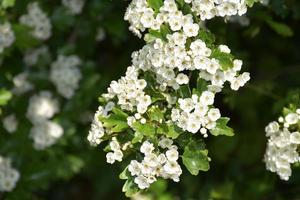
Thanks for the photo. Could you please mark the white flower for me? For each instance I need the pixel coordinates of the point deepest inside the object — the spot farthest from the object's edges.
(45, 133)
(38, 21)
(207, 98)
(8, 175)
(42, 106)
(21, 84)
(147, 147)
(292, 118)
(66, 75)
(214, 114)
(110, 157)
(295, 137)
(7, 36)
(191, 30)
(182, 79)
(172, 154)
(142, 182)
(165, 143)
(10, 123)
(134, 168)
(74, 6)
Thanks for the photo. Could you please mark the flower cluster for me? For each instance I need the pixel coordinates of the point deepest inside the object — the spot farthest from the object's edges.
(10, 123)
(32, 56)
(283, 144)
(41, 109)
(21, 84)
(116, 154)
(45, 133)
(169, 59)
(195, 113)
(142, 16)
(8, 175)
(66, 75)
(168, 91)
(38, 21)
(7, 36)
(129, 91)
(74, 6)
(156, 164)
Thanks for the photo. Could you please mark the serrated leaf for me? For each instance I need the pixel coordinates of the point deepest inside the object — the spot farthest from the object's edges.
(155, 114)
(185, 91)
(138, 136)
(145, 129)
(24, 38)
(173, 131)
(155, 4)
(124, 175)
(130, 188)
(222, 128)
(195, 157)
(225, 59)
(201, 86)
(116, 121)
(207, 37)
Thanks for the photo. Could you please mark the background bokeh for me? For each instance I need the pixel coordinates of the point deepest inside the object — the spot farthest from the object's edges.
(71, 169)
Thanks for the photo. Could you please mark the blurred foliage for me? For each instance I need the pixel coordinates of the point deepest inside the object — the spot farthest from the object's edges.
(71, 169)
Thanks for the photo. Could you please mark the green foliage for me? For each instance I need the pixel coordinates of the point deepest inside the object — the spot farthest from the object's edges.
(195, 156)
(5, 96)
(222, 128)
(116, 122)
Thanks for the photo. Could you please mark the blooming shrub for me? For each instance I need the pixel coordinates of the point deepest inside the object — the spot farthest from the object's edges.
(168, 93)
(187, 76)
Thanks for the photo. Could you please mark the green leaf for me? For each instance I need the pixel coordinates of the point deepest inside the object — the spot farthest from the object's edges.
(225, 59)
(145, 129)
(207, 37)
(8, 3)
(138, 136)
(250, 2)
(222, 128)
(155, 4)
(185, 91)
(280, 28)
(5, 96)
(155, 114)
(116, 121)
(173, 131)
(130, 188)
(201, 85)
(124, 174)
(195, 157)
(24, 38)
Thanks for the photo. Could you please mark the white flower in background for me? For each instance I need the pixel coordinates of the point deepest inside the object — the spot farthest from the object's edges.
(45, 133)
(10, 123)
(38, 21)
(42, 106)
(32, 56)
(100, 34)
(7, 36)
(66, 75)
(74, 6)
(21, 84)
(8, 175)
(282, 145)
